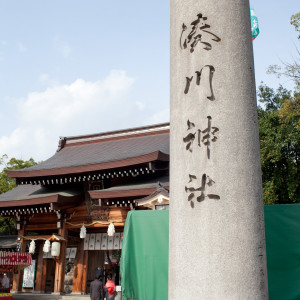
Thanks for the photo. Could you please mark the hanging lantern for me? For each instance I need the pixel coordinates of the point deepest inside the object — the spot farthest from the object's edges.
(55, 249)
(46, 247)
(160, 199)
(32, 247)
(111, 229)
(82, 232)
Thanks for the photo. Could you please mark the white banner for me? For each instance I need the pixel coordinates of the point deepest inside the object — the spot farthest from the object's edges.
(71, 253)
(104, 241)
(110, 243)
(92, 241)
(101, 241)
(86, 242)
(98, 241)
(117, 241)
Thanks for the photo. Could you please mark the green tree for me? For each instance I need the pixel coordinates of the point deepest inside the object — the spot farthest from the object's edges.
(279, 130)
(7, 225)
(7, 183)
(295, 21)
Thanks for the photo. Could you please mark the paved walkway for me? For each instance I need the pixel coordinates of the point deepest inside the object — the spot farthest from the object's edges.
(29, 296)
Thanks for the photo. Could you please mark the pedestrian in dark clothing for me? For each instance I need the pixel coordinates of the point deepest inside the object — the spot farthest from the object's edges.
(96, 289)
(99, 272)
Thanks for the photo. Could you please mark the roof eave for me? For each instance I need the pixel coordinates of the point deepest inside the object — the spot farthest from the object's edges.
(39, 201)
(154, 156)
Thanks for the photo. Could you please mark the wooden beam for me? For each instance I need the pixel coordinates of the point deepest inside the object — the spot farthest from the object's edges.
(44, 275)
(69, 226)
(39, 269)
(17, 278)
(41, 227)
(62, 206)
(59, 281)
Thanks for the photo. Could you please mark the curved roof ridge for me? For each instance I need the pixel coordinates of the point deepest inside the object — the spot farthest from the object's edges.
(112, 135)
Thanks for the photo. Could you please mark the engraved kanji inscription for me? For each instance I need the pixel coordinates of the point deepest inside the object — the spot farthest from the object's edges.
(205, 137)
(196, 192)
(198, 81)
(198, 33)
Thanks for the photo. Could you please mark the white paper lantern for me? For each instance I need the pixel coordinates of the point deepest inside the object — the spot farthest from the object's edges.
(47, 246)
(55, 249)
(111, 229)
(82, 232)
(32, 247)
(160, 199)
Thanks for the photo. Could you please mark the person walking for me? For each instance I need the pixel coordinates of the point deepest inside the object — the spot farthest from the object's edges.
(110, 288)
(5, 283)
(96, 288)
(99, 271)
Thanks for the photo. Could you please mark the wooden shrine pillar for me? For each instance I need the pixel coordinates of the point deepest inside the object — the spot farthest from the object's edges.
(84, 273)
(59, 280)
(40, 278)
(17, 278)
(79, 270)
(44, 276)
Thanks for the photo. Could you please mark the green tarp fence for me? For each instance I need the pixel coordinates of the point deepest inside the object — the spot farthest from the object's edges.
(144, 264)
(282, 223)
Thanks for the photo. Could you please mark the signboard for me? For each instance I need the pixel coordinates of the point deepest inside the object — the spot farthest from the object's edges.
(29, 276)
(14, 259)
(97, 213)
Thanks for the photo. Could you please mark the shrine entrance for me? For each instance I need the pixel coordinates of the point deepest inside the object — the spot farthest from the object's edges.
(49, 287)
(95, 259)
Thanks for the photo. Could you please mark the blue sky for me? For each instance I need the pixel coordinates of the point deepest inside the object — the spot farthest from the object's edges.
(78, 67)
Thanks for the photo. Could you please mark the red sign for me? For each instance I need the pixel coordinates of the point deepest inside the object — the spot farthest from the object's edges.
(14, 259)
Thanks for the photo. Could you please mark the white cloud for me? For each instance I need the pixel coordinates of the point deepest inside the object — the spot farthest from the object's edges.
(81, 107)
(161, 116)
(12, 144)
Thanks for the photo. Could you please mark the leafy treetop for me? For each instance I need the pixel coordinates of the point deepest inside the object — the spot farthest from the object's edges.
(279, 130)
(7, 226)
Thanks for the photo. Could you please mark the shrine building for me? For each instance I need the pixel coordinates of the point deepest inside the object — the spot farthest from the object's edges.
(71, 199)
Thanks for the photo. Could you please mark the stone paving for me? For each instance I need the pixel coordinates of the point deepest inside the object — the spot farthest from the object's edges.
(30, 296)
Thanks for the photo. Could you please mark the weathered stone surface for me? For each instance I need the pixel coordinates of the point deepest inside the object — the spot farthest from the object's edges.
(217, 247)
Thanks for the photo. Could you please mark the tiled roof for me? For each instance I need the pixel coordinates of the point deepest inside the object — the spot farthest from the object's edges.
(106, 152)
(35, 194)
(144, 188)
(148, 183)
(102, 152)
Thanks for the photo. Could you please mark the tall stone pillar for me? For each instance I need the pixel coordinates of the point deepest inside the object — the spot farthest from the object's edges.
(217, 238)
